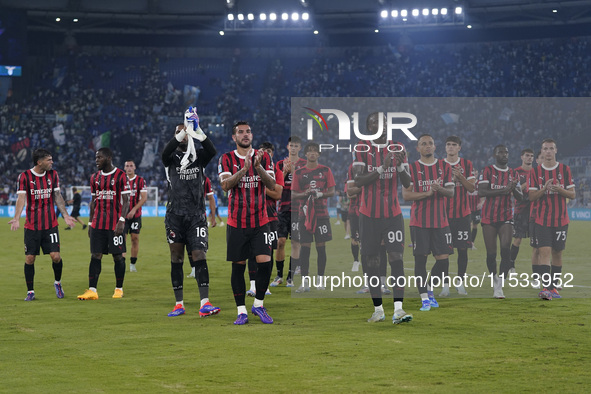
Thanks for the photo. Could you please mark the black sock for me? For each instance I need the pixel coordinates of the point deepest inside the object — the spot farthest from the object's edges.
(293, 263)
(29, 276)
(321, 250)
(491, 263)
(383, 261)
(397, 268)
(462, 262)
(474, 232)
(57, 270)
(439, 271)
(133, 260)
(556, 272)
(177, 277)
(535, 269)
(94, 271)
(280, 265)
(545, 278)
(505, 262)
(202, 278)
(514, 253)
(305, 260)
(421, 272)
(238, 284)
(355, 252)
(371, 268)
(252, 268)
(191, 262)
(119, 272)
(262, 279)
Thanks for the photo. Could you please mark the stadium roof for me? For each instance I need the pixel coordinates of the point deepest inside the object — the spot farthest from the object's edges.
(193, 18)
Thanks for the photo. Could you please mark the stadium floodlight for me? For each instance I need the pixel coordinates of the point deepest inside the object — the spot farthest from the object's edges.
(404, 13)
(240, 17)
(250, 17)
(458, 10)
(284, 16)
(58, 19)
(316, 32)
(394, 13)
(263, 17)
(305, 16)
(230, 17)
(425, 12)
(554, 11)
(415, 12)
(376, 31)
(295, 16)
(384, 14)
(273, 16)
(222, 33)
(469, 26)
(75, 20)
(444, 11)
(435, 11)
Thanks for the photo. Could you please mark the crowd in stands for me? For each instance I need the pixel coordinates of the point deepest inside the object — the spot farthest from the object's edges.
(139, 100)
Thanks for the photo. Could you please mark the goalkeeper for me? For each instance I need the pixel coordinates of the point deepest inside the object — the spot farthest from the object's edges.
(186, 222)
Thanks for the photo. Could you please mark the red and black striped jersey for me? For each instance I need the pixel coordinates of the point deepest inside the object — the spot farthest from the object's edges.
(319, 179)
(207, 187)
(474, 199)
(429, 212)
(379, 199)
(459, 205)
(496, 208)
(551, 208)
(272, 203)
(39, 189)
(107, 190)
(246, 200)
(523, 205)
(285, 204)
(137, 185)
(354, 201)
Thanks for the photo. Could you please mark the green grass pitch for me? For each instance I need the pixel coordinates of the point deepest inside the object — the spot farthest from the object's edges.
(317, 344)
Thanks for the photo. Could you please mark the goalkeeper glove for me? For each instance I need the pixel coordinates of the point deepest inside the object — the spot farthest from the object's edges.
(192, 124)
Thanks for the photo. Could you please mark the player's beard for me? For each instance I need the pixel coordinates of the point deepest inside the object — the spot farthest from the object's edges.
(243, 145)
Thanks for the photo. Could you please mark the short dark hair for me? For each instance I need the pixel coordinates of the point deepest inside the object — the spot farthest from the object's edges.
(499, 146)
(295, 139)
(423, 135)
(239, 123)
(39, 154)
(267, 145)
(527, 150)
(131, 160)
(74, 190)
(550, 141)
(454, 138)
(311, 145)
(107, 152)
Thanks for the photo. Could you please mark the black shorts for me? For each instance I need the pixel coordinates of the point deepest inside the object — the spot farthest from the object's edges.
(532, 233)
(189, 230)
(243, 243)
(284, 224)
(521, 225)
(344, 215)
(476, 216)
(354, 226)
(75, 213)
(322, 232)
(461, 231)
(273, 233)
(373, 231)
(48, 240)
(555, 237)
(106, 242)
(431, 240)
(133, 226)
